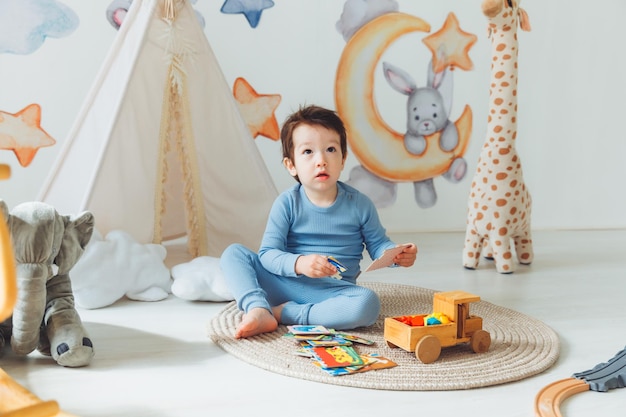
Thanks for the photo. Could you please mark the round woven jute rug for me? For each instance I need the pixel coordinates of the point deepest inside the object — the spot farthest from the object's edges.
(521, 346)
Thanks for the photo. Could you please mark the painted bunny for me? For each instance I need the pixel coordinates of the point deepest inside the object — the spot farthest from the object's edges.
(428, 111)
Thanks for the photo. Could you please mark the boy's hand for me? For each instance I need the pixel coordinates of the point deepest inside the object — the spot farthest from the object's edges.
(407, 256)
(315, 266)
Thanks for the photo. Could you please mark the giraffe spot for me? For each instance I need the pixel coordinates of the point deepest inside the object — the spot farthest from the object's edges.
(525, 256)
(513, 183)
(501, 202)
(504, 84)
(496, 161)
(501, 176)
(485, 180)
(501, 47)
(503, 231)
(504, 151)
(504, 111)
(497, 243)
(499, 74)
(479, 216)
(497, 129)
(488, 227)
(507, 255)
(484, 208)
(506, 56)
(496, 215)
(498, 101)
(494, 187)
(513, 210)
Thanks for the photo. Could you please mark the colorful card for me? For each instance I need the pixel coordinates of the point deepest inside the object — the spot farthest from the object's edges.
(334, 341)
(307, 329)
(375, 362)
(336, 356)
(347, 370)
(355, 339)
(387, 258)
(338, 265)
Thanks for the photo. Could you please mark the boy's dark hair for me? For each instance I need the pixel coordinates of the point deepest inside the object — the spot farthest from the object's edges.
(314, 116)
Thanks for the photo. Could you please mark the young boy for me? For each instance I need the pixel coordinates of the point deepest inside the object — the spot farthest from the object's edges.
(290, 280)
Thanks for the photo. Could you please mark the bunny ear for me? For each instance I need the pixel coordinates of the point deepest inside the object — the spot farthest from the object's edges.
(399, 79)
(442, 81)
(437, 68)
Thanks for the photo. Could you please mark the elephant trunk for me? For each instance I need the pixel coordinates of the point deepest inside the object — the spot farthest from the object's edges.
(29, 309)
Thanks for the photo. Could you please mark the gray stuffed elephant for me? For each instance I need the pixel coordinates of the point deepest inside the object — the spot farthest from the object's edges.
(46, 246)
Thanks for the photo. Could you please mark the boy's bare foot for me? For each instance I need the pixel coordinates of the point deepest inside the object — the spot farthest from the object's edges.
(256, 321)
(277, 311)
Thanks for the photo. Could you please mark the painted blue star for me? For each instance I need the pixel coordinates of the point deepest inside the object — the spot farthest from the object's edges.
(252, 9)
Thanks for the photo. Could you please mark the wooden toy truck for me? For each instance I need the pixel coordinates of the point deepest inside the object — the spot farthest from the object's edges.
(427, 341)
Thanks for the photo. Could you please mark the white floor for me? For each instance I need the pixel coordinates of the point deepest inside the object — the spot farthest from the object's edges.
(154, 359)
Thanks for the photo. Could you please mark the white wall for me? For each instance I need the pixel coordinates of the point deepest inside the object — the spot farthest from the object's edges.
(571, 94)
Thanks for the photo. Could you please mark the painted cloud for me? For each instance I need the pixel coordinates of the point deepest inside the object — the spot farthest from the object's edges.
(356, 13)
(25, 24)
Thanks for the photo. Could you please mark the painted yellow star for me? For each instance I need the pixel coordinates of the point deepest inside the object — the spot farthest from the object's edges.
(257, 109)
(22, 133)
(450, 46)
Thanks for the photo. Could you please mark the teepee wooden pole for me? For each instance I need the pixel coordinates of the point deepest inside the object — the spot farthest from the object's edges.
(169, 9)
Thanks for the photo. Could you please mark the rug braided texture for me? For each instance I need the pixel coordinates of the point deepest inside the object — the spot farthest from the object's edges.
(521, 346)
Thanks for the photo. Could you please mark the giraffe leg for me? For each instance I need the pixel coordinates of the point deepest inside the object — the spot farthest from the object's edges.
(502, 255)
(487, 251)
(472, 248)
(524, 248)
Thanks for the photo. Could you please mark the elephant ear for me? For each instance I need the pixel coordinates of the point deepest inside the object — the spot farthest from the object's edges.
(78, 231)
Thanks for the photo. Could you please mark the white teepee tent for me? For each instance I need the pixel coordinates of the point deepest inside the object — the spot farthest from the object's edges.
(160, 149)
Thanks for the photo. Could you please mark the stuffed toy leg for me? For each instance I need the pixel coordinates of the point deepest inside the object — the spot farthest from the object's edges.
(46, 246)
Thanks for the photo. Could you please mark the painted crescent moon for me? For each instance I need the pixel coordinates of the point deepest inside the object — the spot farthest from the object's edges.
(379, 148)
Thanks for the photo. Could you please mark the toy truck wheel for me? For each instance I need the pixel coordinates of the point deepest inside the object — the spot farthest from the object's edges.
(428, 349)
(391, 345)
(480, 341)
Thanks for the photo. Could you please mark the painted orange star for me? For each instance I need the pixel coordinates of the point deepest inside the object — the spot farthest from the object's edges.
(257, 109)
(450, 46)
(22, 133)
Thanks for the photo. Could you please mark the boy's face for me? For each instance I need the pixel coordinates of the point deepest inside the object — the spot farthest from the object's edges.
(317, 158)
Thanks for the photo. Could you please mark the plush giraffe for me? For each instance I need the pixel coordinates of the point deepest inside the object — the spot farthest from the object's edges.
(499, 202)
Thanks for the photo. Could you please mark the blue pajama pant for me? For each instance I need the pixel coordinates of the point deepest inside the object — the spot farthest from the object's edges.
(329, 302)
